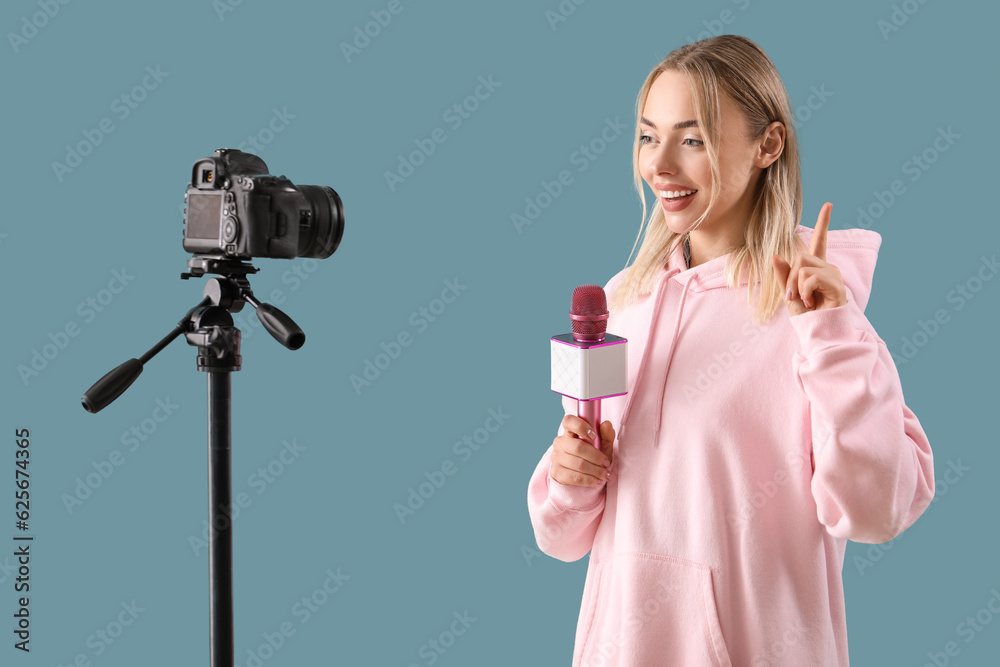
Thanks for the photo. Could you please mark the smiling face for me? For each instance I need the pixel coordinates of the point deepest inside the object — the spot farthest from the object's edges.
(673, 156)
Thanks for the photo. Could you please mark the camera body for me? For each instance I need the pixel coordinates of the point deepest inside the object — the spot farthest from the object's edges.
(235, 210)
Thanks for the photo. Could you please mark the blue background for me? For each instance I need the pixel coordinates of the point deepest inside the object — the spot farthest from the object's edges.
(233, 71)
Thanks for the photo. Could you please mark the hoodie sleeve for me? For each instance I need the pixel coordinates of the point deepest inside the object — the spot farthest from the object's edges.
(873, 467)
(564, 517)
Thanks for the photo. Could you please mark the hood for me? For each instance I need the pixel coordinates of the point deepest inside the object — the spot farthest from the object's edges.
(853, 251)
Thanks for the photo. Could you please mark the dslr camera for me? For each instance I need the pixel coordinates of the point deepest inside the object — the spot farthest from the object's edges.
(235, 210)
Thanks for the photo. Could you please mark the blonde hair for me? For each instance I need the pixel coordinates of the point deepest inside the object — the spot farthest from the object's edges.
(740, 69)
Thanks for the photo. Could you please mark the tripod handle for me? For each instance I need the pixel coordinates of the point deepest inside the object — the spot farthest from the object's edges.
(281, 326)
(117, 380)
(111, 386)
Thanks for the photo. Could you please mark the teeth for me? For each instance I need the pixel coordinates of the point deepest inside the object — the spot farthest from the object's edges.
(673, 194)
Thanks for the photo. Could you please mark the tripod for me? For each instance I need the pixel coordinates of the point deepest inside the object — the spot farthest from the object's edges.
(209, 327)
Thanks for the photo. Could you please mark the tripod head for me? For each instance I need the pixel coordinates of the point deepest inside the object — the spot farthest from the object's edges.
(208, 325)
(232, 290)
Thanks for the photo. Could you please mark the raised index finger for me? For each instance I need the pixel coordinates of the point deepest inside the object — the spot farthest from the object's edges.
(817, 245)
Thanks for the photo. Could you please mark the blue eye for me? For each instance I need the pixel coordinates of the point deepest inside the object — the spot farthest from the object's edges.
(643, 136)
(700, 143)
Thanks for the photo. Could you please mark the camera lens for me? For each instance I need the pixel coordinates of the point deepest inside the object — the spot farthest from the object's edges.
(321, 238)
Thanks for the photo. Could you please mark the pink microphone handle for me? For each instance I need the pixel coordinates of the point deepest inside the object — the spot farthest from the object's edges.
(590, 412)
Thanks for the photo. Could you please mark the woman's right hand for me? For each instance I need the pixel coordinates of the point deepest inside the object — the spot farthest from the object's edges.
(575, 460)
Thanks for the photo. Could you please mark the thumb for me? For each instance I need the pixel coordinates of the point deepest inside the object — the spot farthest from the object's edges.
(781, 269)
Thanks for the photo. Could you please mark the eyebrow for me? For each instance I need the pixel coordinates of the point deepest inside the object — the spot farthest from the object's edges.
(677, 126)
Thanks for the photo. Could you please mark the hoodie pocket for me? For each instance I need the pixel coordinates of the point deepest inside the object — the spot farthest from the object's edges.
(651, 610)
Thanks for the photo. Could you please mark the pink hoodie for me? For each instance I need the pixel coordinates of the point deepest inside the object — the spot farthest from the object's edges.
(738, 476)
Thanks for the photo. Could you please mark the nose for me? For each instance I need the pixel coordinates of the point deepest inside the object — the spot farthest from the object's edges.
(661, 160)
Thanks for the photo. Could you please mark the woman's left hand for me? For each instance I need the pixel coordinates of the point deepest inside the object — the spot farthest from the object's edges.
(810, 276)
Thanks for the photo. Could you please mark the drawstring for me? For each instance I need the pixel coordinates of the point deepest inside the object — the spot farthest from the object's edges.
(662, 288)
(670, 355)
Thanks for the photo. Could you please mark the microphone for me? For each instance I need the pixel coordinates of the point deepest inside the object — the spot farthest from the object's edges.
(589, 364)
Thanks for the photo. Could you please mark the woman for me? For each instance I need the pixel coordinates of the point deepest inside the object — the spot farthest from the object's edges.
(762, 428)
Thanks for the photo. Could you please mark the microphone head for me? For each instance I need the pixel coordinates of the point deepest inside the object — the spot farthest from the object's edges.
(589, 313)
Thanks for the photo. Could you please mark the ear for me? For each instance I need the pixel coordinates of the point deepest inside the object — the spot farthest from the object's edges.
(771, 145)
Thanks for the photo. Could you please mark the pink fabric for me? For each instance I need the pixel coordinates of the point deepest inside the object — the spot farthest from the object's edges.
(747, 455)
